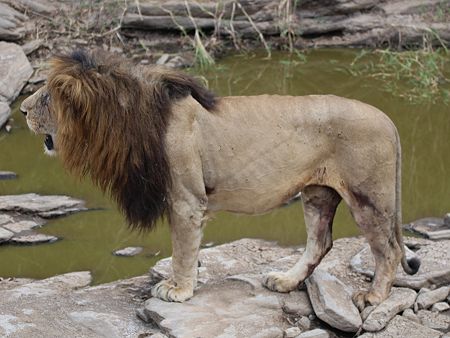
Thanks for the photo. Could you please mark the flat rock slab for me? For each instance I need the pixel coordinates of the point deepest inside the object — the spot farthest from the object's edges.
(399, 300)
(6, 175)
(65, 306)
(435, 320)
(5, 235)
(434, 269)
(15, 70)
(129, 251)
(431, 227)
(229, 309)
(43, 206)
(34, 238)
(331, 301)
(399, 326)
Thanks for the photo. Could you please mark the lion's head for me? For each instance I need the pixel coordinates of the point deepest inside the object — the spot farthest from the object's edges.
(36, 108)
(107, 119)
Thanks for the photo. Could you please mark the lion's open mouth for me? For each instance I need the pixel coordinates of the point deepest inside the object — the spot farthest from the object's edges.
(48, 142)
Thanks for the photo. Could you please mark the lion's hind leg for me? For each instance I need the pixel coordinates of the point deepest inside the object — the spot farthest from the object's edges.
(378, 225)
(319, 204)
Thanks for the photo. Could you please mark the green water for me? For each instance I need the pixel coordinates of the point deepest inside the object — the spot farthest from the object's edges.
(89, 238)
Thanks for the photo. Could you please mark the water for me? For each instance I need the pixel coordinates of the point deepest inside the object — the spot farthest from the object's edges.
(89, 238)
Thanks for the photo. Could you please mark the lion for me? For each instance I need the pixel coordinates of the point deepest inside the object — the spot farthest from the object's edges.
(163, 145)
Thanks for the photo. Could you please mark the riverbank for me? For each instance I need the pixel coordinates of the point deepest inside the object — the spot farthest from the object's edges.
(230, 300)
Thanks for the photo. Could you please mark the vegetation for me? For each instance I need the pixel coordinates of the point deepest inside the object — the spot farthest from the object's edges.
(418, 76)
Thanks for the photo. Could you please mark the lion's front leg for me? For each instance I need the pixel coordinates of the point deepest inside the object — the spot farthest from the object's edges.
(186, 231)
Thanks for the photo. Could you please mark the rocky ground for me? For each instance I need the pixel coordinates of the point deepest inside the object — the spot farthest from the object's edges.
(231, 302)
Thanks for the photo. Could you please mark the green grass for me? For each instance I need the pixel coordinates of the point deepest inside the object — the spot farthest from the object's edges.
(418, 76)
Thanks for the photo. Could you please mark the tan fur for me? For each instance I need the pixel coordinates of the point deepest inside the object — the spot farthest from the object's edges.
(251, 155)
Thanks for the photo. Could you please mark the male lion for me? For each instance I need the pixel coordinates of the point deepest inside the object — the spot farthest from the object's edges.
(161, 144)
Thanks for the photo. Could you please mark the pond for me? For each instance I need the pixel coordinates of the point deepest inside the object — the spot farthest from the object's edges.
(88, 238)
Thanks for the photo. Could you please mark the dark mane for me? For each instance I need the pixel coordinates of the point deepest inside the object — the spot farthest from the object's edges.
(112, 120)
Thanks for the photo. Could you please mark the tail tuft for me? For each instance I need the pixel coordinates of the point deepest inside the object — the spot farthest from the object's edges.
(414, 265)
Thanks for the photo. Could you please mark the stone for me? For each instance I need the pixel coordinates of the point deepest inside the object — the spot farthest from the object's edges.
(178, 62)
(15, 70)
(447, 219)
(43, 7)
(398, 300)
(34, 238)
(292, 332)
(434, 268)
(43, 206)
(298, 304)
(163, 59)
(316, 333)
(434, 320)
(366, 312)
(129, 251)
(400, 326)
(5, 112)
(332, 301)
(11, 23)
(158, 335)
(66, 306)
(32, 46)
(22, 226)
(7, 175)
(409, 314)
(304, 323)
(440, 307)
(431, 227)
(5, 235)
(428, 298)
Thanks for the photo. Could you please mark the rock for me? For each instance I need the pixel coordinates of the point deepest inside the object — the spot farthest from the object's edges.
(399, 326)
(434, 320)
(5, 112)
(129, 251)
(409, 314)
(447, 219)
(43, 206)
(11, 23)
(158, 335)
(366, 312)
(43, 7)
(298, 304)
(65, 306)
(32, 46)
(304, 323)
(428, 298)
(34, 238)
(434, 269)
(292, 332)
(230, 308)
(15, 70)
(316, 333)
(5, 235)
(100, 323)
(179, 62)
(163, 59)
(432, 227)
(332, 301)
(440, 307)
(21, 226)
(398, 300)
(7, 175)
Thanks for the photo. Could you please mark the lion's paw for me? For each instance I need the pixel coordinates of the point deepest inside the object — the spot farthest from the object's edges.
(168, 291)
(361, 298)
(280, 281)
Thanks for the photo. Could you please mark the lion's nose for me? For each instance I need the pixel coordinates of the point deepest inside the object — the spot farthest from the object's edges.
(24, 112)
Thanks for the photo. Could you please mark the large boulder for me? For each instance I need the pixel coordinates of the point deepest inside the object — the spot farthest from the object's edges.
(15, 70)
(5, 111)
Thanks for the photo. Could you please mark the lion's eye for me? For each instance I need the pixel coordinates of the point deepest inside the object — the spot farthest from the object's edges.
(45, 99)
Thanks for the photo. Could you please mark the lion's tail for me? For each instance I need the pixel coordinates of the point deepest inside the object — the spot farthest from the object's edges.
(411, 265)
